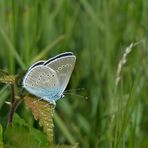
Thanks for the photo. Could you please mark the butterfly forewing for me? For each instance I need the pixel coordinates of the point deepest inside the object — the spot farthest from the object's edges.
(41, 81)
(63, 65)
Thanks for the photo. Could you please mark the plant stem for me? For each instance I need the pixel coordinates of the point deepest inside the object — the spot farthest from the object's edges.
(14, 105)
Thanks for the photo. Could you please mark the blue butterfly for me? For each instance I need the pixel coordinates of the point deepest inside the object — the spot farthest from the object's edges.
(48, 79)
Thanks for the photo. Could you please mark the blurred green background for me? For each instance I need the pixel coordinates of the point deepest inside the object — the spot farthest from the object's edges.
(98, 33)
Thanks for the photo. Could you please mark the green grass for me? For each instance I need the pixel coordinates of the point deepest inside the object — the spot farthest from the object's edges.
(98, 32)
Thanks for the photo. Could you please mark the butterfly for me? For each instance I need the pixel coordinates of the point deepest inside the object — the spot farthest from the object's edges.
(48, 79)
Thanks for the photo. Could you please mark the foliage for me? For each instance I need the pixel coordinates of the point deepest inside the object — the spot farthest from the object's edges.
(6, 78)
(42, 111)
(1, 137)
(27, 135)
(99, 33)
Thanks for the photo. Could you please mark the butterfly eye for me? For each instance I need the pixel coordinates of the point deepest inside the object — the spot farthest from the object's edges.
(52, 75)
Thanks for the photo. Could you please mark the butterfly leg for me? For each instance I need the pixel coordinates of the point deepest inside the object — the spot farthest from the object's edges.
(53, 103)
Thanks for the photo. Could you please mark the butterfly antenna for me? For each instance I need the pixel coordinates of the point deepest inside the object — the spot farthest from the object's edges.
(77, 89)
(75, 95)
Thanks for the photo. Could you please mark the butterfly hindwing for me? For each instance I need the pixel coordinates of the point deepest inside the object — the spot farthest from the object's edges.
(41, 81)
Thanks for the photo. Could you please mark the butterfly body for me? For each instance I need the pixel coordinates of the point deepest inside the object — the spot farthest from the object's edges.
(48, 79)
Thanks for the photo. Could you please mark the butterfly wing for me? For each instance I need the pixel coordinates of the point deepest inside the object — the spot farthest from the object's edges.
(36, 64)
(42, 82)
(63, 64)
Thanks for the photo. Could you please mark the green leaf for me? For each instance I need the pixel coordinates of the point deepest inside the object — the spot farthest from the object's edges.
(6, 78)
(42, 111)
(50, 46)
(12, 48)
(1, 137)
(21, 134)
